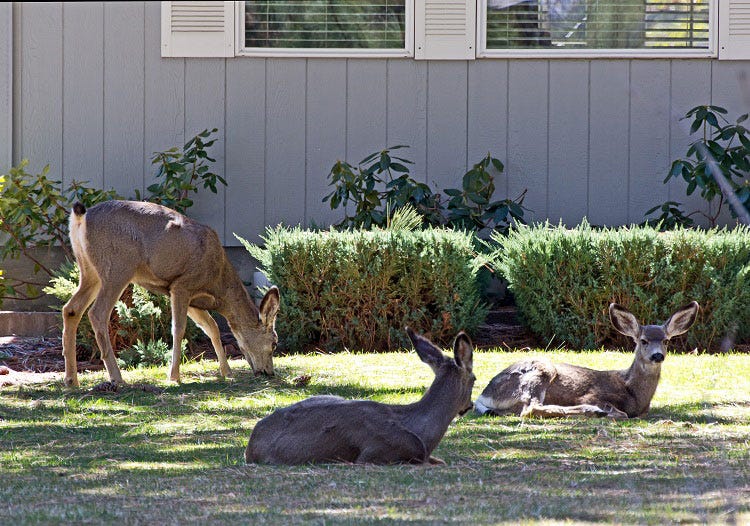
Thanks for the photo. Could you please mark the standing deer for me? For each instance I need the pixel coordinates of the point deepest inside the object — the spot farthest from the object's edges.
(332, 429)
(541, 388)
(120, 242)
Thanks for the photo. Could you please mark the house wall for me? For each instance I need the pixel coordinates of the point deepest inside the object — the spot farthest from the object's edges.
(92, 97)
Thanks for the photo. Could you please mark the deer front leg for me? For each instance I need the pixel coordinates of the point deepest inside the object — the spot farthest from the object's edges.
(208, 325)
(561, 411)
(180, 302)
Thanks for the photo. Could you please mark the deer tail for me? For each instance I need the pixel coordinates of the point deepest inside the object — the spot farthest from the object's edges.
(79, 209)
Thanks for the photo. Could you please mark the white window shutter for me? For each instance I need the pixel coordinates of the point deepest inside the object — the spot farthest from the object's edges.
(734, 29)
(445, 29)
(197, 29)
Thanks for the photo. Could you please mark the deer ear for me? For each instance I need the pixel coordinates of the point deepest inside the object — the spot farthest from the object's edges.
(426, 350)
(624, 321)
(269, 306)
(680, 321)
(463, 351)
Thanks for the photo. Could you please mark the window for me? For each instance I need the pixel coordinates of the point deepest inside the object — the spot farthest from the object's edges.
(597, 27)
(327, 27)
(458, 29)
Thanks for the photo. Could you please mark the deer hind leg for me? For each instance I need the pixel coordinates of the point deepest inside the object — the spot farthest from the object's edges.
(519, 386)
(99, 315)
(208, 325)
(72, 312)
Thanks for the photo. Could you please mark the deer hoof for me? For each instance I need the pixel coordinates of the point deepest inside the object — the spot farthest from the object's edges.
(71, 382)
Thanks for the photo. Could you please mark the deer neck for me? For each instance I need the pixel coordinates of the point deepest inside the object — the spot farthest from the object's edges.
(430, 417)
(236, 304)
(641, 380)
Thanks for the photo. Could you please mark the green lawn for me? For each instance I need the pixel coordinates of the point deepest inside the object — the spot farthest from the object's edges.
(175, 457)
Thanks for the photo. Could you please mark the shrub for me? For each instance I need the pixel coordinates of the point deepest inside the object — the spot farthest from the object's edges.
(563, 280)
(358, 289)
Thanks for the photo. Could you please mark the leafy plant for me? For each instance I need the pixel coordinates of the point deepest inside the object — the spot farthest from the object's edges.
(34, 209)
(671, 217)
(152, 353)
(33, 214)
(374, 189)
(380, 184)
(181, 171)
(472, 208)
(717, 164)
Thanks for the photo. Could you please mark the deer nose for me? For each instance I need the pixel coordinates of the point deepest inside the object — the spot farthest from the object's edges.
(657, 357)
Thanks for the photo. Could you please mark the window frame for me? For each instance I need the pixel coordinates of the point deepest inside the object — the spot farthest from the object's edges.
(406, 52)
(710, 52)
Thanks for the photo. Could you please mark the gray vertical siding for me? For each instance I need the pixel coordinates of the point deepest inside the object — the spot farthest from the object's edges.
(6, 86)
(83, 88)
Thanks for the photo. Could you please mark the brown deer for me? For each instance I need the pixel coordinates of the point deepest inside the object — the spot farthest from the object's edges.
(120, 242)
(541, 388)
(333, 429)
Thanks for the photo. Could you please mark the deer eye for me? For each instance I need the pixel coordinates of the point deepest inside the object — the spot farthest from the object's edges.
(644, 341)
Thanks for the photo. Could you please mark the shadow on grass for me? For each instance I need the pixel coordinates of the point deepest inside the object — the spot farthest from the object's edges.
(174, 446)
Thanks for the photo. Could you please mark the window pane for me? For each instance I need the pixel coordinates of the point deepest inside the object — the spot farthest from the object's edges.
(597, 24)
(343, 24)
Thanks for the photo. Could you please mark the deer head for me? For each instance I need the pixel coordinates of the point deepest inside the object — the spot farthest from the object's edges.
(256, 334)
(651, 340)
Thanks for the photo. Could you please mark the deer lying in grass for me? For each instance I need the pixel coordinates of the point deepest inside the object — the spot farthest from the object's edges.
(120, 242)
(333, 429)
(541, 388)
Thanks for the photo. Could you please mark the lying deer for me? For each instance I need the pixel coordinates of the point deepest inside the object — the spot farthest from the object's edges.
(120, 242)
(332, 429)
(541, 388)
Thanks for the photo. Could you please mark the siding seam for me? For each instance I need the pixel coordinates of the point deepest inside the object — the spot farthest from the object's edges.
(427, 125)
(143, 122)
(588, 141)
(305, 218)
(549, 105)
(104, 94)
(62, 94)
(630, 119)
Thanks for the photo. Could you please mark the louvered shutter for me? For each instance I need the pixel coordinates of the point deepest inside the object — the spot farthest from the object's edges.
(734, 29)
(197, 29)
(445, 29)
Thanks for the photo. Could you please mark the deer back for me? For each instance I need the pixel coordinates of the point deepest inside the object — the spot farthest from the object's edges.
(157, 243)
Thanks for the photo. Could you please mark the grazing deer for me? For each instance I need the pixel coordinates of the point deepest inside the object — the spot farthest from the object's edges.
(120, 242)
(333, 429)
(541, 388)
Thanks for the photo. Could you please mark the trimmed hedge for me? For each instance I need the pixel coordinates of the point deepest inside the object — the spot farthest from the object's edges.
(358, 289)
(563, 280)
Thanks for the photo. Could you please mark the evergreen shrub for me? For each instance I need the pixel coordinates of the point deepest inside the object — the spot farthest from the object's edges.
(563, 280)
(357, 289)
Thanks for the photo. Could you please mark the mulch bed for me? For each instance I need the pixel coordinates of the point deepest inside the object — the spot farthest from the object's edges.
(44, 355)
